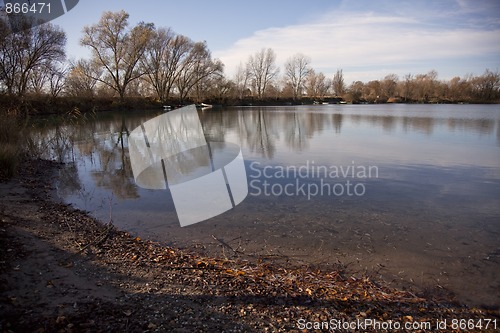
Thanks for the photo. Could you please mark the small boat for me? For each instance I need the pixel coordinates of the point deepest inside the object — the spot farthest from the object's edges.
(167, 107)
(203, 105)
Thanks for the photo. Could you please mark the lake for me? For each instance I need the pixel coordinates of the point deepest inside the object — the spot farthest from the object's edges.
(407, 193)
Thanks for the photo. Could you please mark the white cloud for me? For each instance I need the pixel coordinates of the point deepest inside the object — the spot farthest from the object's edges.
(368, 43)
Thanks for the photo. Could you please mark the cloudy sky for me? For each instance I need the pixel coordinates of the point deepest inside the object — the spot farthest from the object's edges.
(367, 39)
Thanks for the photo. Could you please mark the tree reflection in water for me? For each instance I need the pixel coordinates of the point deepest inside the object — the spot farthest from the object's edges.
(115, 172)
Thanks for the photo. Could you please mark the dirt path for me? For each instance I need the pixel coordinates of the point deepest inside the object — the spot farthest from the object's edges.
(62, 271)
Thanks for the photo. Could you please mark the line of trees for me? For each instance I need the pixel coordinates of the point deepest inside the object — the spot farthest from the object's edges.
(426, 88)
(142, 60)
(155, 62)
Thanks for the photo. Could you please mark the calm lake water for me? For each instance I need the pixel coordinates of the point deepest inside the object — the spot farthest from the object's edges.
(409, 193)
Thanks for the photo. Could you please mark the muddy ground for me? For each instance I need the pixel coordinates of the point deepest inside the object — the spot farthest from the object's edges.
(63, 271)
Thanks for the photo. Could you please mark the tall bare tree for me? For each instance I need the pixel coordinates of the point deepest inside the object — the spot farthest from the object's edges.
(296, 71)
(407, 87)
(262, 69)
(241, 80)
(338, 84)
(24, 52)
(165, 59)
(117, 48)
(196, 68)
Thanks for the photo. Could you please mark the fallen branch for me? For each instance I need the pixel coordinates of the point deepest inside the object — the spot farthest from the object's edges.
(227, 245)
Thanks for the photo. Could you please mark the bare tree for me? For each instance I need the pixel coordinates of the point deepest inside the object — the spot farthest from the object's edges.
(323, 85)
(165, 59)
(373, 91)
(57, 79)
(356, 91)
(424, 85)
(456, 89)
(155, 61)
(241, 80)
(487, 86)
(24, 52)
(218, 87)
(296, 71)
(262, 70)
(408, 87)
(317, 85)
(48, 78)
(117, 49)
(338, 83)
(39, 79)
(197, 67)
(389, 85)
(81, 78)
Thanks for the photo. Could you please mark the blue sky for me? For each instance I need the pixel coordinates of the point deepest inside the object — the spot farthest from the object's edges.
(367, 39)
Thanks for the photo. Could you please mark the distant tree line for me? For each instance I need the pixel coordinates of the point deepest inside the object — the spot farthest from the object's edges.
(145, 61)
(426, 88)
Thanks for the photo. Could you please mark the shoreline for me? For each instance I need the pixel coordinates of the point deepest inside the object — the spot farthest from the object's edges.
(41, 105)
(64, 270)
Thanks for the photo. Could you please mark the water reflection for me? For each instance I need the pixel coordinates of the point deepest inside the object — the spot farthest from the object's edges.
(357, 133)
(285, 136)
(258, 132)
(171, 148)
(282, 135)
(100, 156)
(436, 201)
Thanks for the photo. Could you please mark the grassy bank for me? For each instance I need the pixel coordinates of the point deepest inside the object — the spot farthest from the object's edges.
(44, 104)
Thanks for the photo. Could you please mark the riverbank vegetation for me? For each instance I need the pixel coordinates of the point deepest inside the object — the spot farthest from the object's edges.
(137, 66)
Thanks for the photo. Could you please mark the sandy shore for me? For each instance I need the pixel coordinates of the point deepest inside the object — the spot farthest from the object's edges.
(63, 271)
